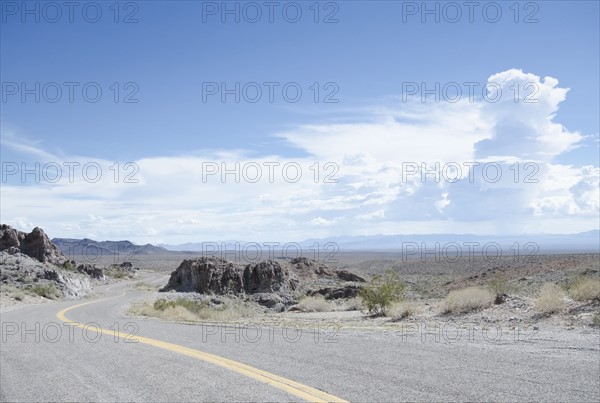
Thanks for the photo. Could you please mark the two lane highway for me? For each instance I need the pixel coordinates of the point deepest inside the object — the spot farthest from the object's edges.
(93, 357)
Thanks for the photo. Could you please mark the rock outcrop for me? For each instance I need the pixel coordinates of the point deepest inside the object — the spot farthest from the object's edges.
(270, 283)
(268, 277)
(213, 275)
(35, 244)
(348, 291)
(91, 270)
(349, 276)
(26, 273)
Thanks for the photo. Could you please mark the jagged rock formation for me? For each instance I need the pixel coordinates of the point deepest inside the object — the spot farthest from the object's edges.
(269, 283)
(213, 275)
(35, 244)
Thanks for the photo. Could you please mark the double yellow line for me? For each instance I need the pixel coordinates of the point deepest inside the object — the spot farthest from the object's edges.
(287, 385)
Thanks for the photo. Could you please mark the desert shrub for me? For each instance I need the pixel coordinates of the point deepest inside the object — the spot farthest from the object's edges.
(403, 310)
(498, 286)
(142, 286)
(191, 305)
(354, 304)
(118, 274)
(315, 304)
(170, 312)
(467, 299)
(585, 289)
(550, 299)
(68, 266)
(12, 292)
(161, 304)
(46, 291)
(596, 320)
(382, 292)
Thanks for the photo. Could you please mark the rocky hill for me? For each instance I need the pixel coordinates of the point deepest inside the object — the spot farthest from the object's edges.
(31, 266)
(35, 244)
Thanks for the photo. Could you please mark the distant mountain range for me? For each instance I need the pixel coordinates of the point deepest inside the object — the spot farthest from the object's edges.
(89, 249)
(581, 242)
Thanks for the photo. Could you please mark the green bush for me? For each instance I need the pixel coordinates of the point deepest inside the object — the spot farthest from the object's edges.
(191, 305)
(498, 286)
(382, 292)
(161, 304)
(46, 291)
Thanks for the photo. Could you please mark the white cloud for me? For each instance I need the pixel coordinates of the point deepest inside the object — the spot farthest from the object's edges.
(175, 199)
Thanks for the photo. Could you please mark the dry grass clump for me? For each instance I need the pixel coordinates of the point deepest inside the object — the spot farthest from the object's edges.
(403, 310)
(185, 310)
(585, 289)
(315, 304)
(142, 286)
(550, 299)
(468, 299)
(354, 304)
(173, 313)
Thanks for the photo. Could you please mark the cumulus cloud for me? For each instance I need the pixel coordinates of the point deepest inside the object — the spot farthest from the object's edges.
(469, 166)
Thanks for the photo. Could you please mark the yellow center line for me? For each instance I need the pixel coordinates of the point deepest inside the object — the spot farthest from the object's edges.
(287, 385)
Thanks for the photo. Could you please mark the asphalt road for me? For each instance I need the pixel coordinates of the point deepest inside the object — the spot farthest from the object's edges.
(44, 359)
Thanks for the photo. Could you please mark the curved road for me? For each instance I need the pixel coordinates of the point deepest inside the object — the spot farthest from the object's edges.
(101, 354)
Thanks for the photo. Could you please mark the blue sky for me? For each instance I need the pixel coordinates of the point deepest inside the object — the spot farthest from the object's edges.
(371, 135)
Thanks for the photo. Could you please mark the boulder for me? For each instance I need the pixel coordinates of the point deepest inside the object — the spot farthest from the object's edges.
(90, 270)
(349, 291)
(348, 276)
(10, 237)
(127, 266)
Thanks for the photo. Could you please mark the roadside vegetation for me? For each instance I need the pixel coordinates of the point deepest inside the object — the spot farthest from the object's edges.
(467, 299)
(48, 291)
(498, 286)
(188, 310)
(143, 286)
(403, 310)
(551, 299)
(315, 304)
(585, 289)
(383, 291)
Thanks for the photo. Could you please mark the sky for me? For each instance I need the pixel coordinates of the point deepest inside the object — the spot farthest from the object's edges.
(190, 121)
